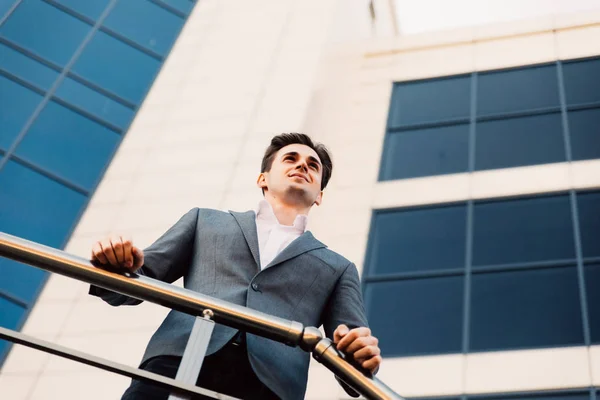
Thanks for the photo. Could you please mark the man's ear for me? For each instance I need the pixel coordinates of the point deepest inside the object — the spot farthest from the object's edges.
(319, 198)
(261, 182)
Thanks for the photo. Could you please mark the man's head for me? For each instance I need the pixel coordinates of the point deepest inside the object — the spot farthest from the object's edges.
(295, 169)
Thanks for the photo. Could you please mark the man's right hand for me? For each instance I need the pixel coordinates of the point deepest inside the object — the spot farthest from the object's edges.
(118, 251)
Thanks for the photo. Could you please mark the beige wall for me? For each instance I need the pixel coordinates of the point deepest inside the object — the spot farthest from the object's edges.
(241, 72)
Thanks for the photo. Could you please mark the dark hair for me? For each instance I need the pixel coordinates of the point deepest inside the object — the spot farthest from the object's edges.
(285, 139)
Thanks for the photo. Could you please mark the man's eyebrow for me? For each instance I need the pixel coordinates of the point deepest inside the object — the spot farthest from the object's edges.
(314, 159)
(295, 154)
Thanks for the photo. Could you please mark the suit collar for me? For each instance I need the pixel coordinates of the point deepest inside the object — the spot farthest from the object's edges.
(247, 222)
(303, 244)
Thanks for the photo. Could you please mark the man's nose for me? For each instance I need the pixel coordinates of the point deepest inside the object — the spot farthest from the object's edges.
(302, 165)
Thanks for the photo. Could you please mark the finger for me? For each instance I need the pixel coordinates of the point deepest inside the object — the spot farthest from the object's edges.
(127, 256)
(351, 336)
(97, 253)
(361, 342)
(107, 249)
(138, 257)
(117, 246)
(372, 363)
(366, 352)
(340, 332)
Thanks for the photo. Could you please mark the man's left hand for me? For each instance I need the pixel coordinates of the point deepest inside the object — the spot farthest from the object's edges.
(360, 344)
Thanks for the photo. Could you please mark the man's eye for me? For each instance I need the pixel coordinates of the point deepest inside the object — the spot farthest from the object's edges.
(315, 167)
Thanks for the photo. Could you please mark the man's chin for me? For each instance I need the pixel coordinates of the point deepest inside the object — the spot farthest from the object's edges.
(297, 194)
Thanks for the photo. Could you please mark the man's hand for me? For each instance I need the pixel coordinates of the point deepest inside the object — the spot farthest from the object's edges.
(118, 251)
(359, 343)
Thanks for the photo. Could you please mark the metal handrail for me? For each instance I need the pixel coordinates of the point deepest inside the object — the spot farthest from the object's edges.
(285, 331)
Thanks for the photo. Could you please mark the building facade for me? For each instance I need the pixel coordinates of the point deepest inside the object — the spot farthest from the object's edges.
(466, 182)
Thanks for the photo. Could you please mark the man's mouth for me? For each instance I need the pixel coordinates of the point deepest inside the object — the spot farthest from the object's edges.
(299, 176)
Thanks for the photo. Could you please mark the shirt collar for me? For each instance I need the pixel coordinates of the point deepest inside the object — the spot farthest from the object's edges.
(264, 212)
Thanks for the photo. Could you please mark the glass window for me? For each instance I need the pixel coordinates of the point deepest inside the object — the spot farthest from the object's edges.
(185, 6)
(522, 231)
(80, 147)
(517, 90)
(38, 209)
(584, 127)
(588, 207)
(17, 103)
(516, 142)
(26, 68)
(56, 35)
(130, 82)
(413, 317)
(423, 152)
(5, 5)
(146, 23)
(95, 103)
(91, 9)
(592, 291)
(520, 309)
(402, 241)
(10, 317)
(21, 280)
(582, 81)
(430, 101)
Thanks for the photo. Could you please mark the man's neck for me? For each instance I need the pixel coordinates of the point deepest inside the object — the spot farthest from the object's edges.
(286, 214)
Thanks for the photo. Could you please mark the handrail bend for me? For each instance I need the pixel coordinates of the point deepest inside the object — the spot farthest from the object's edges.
(258, 323)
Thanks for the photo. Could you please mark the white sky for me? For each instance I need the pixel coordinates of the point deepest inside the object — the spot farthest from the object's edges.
(415, 16)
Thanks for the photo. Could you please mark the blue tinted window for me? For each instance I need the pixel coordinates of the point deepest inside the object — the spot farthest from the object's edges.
(95, 103)
(16, 105)
(26, 68)
(517, 90)
(523, 230)
(517, 142)
(35, 207)
(130, 82)
(5, 5)
(582, 81)
(403, 240)
(533, 308)
(185, 6)
(56, 35)
(80, 148)
(422, 152)
(584, 127)
(589, 223)
(91, 9)
(9, 318)
(592, 291)
(422, 316)
(21, 280)
(145, 23)
(430, 101)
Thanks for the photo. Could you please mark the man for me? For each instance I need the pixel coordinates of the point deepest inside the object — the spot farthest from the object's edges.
(263, 259)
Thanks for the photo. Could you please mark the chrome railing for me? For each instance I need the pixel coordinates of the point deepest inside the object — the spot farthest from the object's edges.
(281, 330)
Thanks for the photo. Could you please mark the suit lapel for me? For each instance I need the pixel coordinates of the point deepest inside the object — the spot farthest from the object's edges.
(306, 242)
(247, 222)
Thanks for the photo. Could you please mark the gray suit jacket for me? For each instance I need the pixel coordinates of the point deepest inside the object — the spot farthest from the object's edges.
(217, 254)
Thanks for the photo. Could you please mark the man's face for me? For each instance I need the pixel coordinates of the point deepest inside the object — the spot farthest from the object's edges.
(295, 176)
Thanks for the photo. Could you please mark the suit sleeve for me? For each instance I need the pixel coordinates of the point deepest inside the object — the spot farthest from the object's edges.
(345, 306)
(167, 259)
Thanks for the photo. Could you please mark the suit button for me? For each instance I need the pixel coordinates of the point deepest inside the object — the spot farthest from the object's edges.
(255, 287)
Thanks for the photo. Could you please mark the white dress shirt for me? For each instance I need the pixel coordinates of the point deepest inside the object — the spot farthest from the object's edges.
(272, 236)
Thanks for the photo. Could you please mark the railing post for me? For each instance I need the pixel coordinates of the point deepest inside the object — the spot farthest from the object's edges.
(195, 351)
